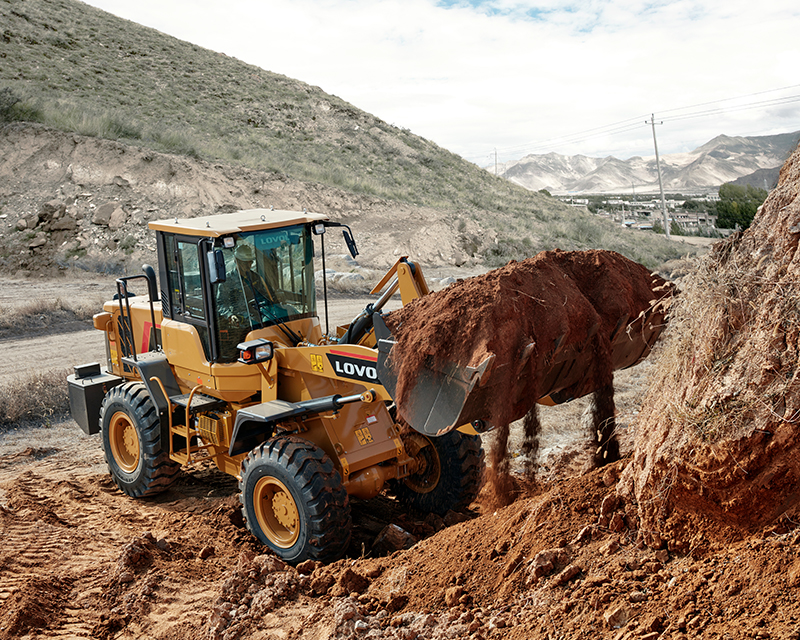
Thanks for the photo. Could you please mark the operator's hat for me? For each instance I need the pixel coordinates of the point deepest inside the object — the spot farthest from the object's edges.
(244, 252)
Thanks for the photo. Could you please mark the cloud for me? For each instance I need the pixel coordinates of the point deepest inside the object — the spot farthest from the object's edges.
(515, 75)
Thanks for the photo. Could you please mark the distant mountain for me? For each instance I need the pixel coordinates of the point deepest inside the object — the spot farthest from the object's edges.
(723, 159)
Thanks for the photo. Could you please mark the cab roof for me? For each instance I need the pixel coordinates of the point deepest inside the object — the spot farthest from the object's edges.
(227, 223)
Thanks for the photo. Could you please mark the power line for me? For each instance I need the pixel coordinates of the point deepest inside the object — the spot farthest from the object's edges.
(749, 95)
(745, 107)
(631, 124)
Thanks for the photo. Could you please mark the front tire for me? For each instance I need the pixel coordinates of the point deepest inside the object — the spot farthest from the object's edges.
(131, 432)
(293, 500)
(449, 477)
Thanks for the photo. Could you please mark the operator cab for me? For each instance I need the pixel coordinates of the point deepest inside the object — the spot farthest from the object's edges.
(228, 275)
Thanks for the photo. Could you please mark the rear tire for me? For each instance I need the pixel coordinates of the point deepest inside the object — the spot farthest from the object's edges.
(450, 476)
(293, 500)
(131, 432)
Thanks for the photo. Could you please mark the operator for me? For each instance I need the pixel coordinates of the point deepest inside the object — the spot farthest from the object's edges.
(245, 293)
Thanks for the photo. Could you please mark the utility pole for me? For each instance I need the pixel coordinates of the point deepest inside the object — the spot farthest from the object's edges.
(495, 161)
(660, 183)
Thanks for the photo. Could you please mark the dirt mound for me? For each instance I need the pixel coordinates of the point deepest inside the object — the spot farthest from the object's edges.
(82, 560)
(718, 436)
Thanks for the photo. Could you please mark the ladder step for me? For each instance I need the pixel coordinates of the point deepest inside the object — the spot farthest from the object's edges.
(199, 401)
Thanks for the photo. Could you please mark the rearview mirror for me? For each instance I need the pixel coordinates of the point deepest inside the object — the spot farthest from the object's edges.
(348, 236)
(216, 266)
(350, 242)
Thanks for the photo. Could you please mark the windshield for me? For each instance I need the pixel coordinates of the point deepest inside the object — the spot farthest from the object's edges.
(269, 278)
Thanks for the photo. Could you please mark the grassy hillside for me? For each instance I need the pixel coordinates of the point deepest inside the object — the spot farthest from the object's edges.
(79, 69)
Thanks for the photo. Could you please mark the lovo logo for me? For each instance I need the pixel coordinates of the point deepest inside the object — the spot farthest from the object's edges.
(355, 367)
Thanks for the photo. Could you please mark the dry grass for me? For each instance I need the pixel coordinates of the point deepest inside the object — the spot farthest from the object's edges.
(731, 347)
(34, 397)
(36, 316)
(78, 69)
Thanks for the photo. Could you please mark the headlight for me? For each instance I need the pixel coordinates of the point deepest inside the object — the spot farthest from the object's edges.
(255, 351)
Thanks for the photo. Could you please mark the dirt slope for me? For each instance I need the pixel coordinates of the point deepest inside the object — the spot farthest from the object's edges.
(70, 199)
(719, 433)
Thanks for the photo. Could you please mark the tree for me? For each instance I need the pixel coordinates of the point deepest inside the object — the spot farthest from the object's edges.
(738, 205)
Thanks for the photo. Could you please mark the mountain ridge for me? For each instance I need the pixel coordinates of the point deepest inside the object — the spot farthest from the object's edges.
(722, 159)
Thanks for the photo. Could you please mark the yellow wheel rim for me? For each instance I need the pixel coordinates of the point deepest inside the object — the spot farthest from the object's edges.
(276, 512)
(124, 442)
(427, 476)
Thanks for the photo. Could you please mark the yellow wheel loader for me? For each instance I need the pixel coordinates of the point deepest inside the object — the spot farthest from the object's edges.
(225, 359)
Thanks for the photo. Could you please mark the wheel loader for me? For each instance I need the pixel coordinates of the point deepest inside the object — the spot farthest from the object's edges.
(223, 358)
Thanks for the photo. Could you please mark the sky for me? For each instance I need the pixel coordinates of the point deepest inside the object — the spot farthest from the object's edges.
(501, 79)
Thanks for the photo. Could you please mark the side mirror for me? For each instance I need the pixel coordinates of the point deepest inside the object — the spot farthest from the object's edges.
(216, 265)
(346, 232)
(350, 242)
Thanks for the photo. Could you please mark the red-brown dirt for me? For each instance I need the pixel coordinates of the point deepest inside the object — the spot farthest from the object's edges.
(522, 314)
(81, 560)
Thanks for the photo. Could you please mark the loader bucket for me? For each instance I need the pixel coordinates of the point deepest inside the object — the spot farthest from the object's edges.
(442, 399)
(449, 395)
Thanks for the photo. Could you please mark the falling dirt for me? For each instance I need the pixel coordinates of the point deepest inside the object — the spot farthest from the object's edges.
(521, 319)
(522, 315)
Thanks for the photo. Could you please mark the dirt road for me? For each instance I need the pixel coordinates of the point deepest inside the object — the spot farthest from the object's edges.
(64, 346)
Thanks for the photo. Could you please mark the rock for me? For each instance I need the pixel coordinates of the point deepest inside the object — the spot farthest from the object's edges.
(321, 583)
(206, 552)
(616, 617)
(360, 626)
(125, 577)
(545, 561)
(435, 521)
(497, 622)
(306, 568)
(566, 575)
(393, 538)
(453, 517)
(102, 215)
(583, 535)
(350, 582)
(452, 596)
(21, 224)
(38, 241)
(63, 224)
(52, 209)
(118, 219)
(397, 602)
(609, 505)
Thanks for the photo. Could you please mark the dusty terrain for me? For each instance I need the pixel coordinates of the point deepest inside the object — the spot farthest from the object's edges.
(85, 202)
(81, 560)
